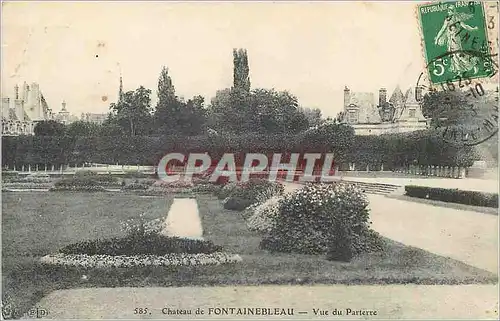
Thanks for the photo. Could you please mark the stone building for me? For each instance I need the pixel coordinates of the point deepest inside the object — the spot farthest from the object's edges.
(401, 113)
(97, 118)
(21, 112)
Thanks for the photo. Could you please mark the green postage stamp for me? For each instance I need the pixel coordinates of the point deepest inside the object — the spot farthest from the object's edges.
(455, 41)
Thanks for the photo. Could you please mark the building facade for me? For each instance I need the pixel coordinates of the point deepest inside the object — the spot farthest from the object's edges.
(94, 117)
(400, 114)
(21, 112)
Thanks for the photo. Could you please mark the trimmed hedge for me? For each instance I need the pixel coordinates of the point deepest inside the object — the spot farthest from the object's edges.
(453, 195)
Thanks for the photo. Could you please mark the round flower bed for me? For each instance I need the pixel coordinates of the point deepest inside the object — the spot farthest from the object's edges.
(118, 261)
(143, 245)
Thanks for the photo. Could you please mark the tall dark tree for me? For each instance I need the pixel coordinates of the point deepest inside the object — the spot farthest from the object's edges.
(241, 70)
(168, 107)
(240, 92)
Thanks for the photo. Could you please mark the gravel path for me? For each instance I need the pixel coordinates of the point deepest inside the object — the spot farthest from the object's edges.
(467, 236)
(183, 219)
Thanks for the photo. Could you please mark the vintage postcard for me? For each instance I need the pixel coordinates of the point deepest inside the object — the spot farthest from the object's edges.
(250, 160)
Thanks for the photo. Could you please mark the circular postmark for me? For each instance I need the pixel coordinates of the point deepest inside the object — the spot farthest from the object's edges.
(464, 108)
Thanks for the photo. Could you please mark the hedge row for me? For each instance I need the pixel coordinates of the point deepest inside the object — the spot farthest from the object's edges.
(393, 150)
(453, 195)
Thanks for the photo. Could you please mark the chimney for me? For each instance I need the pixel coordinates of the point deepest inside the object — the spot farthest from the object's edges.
(418, 93)
(16, 91)
(347, 97)
(26, 90)
(382, 96)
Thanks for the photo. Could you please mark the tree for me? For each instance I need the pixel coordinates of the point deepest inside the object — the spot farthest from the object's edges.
(82, 128)
(240, 92)
(166, 89)
(313, 115)
(219, 110)
(192, 116)
(49, 128)
(133, 111)
(241, 70)
(166, 116)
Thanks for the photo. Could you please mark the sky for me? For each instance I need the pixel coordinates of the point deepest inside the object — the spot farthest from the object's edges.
(77, 50)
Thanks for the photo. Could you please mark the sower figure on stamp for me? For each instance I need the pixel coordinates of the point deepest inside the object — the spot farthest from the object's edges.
(449, 35)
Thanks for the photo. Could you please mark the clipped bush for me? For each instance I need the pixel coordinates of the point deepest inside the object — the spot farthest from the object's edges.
(257, 190)
(453, 195)
(236, 203)
(328, 219)
(254, 191)
(263, 216)
(225, 191)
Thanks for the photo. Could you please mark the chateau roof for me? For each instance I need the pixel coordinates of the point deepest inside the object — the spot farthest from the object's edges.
(397, 96)
(410, 96)
(361, 99)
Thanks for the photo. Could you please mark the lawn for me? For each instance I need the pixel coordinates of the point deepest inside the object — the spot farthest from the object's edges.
(35, 224)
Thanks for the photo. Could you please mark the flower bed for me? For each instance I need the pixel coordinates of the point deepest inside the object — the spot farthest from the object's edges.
(122, 261)
(136, 186)
(162, 187)
(77, 188)
(453, 195)
(26, 185)
(328, 219)
(148, 243)
(142, 246)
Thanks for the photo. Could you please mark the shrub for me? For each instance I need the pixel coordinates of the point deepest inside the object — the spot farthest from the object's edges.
(257, 190)
(226, 190)
(263, 216)
(103, 179)
(236, 203)
(253, 191)
(453, 195)
(323, 218)
(134, 244)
